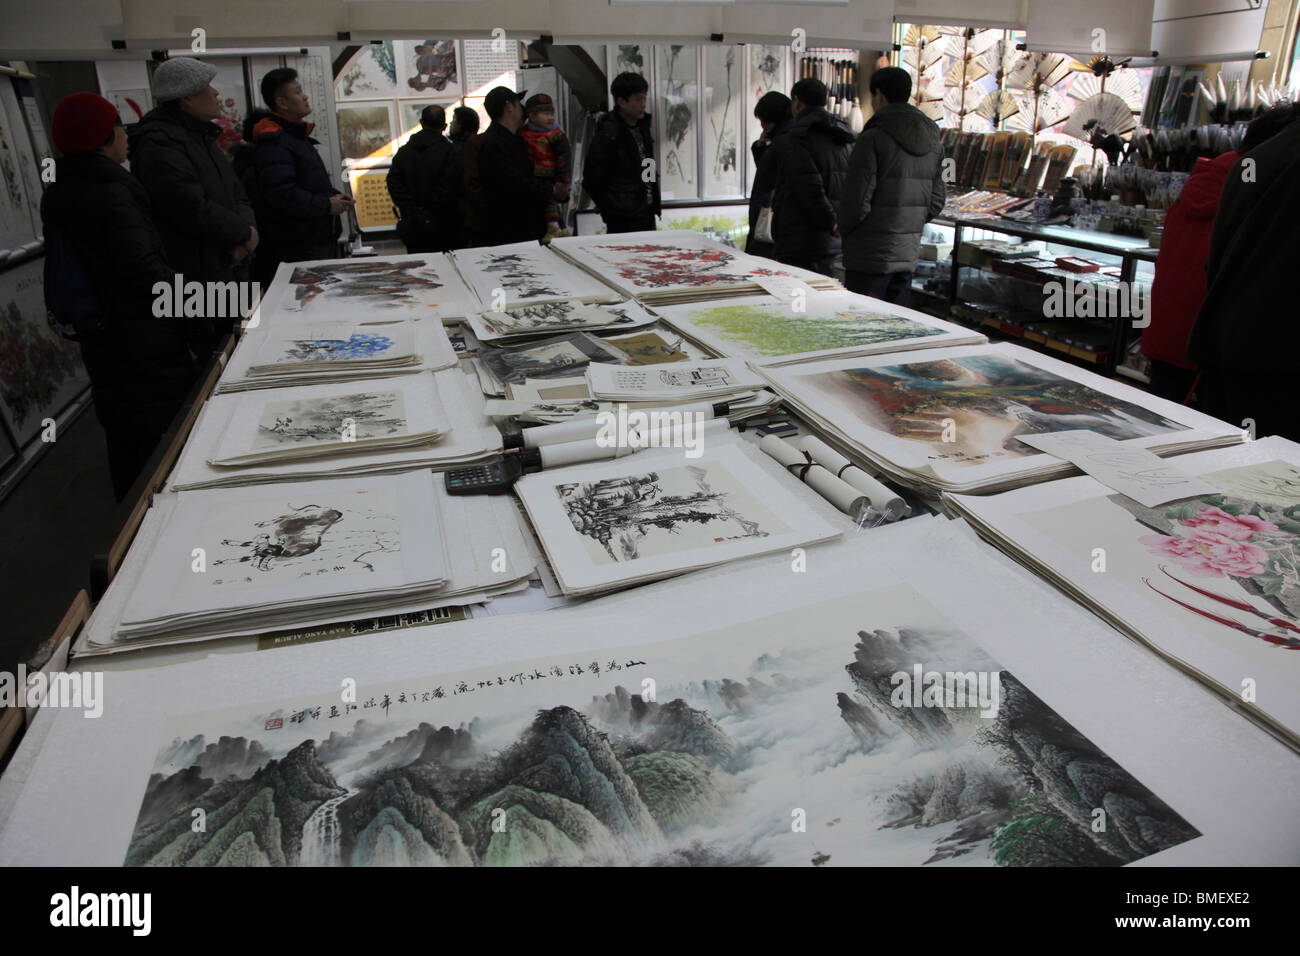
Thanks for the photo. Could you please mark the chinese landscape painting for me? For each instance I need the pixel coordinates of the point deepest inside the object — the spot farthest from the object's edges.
(782, 741)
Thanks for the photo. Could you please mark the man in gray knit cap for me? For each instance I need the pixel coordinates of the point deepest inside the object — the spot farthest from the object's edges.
(201, 208)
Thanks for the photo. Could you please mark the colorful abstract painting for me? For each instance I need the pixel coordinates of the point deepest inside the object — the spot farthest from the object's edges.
(969, 410)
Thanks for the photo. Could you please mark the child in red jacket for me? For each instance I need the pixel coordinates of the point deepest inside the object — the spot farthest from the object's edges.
(552, 156)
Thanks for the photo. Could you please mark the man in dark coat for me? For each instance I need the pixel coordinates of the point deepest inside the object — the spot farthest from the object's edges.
(202, 211)
(616, 175)
(774, 113)
(140, 367)
(1246, 339)
(421, 185)
(894, 187)
(297, 205)
(809, 163)
(462, 131)
(507, 203)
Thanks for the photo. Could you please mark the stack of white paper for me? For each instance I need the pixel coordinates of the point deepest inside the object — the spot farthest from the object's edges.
(665, 267)
(550, 317)
(526, 273)
(272, 557)
(452, 408)
(559, 357)
(316, 421)
(948, 419)
(279, 355)
(674, 382)
(392, 287)
(1210, 582)
(772, 331)
(238, 562)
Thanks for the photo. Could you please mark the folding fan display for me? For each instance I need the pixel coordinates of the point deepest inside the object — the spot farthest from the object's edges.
(927, 96)
(999, 60)
(964, 101)
(965, 47)
(924, 47)
(1104, 113)
(1041, 111)
(998, 107)
(1034, 70)
(1108, 78)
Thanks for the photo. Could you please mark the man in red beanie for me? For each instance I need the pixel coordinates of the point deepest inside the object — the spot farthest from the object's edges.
(99, 234)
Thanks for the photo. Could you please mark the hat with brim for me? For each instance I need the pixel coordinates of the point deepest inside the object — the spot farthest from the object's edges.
(497, 98)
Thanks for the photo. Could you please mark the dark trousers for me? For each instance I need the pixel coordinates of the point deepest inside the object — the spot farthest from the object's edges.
(643, 222)
(895, 287)
(137, 392)
(822, 264)
(1263, 397)
(1171, 382)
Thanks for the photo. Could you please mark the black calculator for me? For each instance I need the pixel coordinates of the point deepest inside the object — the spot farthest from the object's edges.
(495, 477)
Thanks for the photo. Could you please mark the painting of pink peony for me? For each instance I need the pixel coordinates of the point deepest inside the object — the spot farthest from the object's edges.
(1253, 543)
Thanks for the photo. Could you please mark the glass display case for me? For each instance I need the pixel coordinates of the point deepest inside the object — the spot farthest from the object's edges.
(1071, 292)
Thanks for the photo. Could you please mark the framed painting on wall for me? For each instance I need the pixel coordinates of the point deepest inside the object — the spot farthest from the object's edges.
(724, 68)
(20, 187)
(371, 74)
(429, 68)
(232, 96)
(676, 110)
(40, 372)
(366, 130)
(635, 58)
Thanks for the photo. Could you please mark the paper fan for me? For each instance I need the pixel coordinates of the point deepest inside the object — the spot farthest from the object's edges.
(1050, 68)
(963, 101)
(1041, 112)
(929, 91)
(999, 59)
(931, 108)
(964, 70)
(923, 56)
(1126, 84)
(918, 35)
(1104, 111)
(998, 107)
(977, 42)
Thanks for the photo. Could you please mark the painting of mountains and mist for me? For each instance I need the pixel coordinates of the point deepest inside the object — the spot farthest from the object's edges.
(793, 740)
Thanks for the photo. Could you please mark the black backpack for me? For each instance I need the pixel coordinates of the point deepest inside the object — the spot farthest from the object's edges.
(72, 308)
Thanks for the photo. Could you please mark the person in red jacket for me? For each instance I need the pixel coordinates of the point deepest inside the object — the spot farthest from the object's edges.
(1180, 282)
(1179, 286)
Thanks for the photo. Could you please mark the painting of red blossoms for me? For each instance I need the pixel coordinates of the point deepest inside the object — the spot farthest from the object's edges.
(1217, 537)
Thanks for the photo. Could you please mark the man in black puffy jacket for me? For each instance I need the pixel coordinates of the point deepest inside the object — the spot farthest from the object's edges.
(894, 187)
(506, 201)
(624, 188)
(810, 161)
(421, 185)
(202, 211)
(297, 206)
(140, 367)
